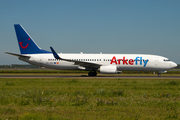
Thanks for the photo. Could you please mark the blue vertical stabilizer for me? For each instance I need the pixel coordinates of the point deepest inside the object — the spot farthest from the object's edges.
(26, 43)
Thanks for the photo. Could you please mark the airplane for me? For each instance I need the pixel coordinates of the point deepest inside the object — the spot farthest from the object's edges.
(103, 63)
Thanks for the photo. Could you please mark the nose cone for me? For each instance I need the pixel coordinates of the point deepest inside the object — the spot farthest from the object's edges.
(173, 65)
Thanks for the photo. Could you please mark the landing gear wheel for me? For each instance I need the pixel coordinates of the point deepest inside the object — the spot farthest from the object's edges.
(94, 73)
(159, 74)
(90, 74)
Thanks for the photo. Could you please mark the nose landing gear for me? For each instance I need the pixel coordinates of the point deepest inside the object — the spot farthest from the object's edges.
(159, 74)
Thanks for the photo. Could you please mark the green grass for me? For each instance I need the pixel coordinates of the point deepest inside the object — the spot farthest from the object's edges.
(62, 98)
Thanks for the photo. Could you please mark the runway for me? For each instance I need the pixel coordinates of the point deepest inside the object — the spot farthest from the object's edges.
(87, 77)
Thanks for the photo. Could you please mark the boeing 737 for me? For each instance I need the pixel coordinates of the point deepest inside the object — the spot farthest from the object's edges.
(104, 63)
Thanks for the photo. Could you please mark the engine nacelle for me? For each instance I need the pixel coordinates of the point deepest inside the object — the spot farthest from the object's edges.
(110, 69)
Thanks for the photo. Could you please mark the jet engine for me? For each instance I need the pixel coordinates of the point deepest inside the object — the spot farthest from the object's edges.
(109, 69)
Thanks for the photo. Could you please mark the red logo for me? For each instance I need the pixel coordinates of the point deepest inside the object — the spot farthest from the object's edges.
(24, 47)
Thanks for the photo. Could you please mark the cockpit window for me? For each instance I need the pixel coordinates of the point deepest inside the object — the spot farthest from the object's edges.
(166, 60)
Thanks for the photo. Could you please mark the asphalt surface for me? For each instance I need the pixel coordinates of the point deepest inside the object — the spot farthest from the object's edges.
(87, 77)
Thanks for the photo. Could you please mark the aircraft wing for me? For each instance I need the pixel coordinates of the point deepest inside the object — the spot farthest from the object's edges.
(87, 64)
(18, 55)
(80, 63)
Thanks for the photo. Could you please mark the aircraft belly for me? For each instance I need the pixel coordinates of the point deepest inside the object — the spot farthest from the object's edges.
(62, 67)
(133, 68)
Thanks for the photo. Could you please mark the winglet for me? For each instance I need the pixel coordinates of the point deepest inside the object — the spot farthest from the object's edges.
(54, 53)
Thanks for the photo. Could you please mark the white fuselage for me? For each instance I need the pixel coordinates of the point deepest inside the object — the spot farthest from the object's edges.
(123, 62)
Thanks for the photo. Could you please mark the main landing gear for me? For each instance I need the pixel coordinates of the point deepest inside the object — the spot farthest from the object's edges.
(92, 73)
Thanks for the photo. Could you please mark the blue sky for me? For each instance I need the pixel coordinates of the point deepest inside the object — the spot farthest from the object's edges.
(93, 26)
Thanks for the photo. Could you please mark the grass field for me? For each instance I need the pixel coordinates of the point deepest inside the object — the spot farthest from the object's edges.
(111, 99)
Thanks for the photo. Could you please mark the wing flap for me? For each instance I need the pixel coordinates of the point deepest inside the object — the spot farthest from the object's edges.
(87, 64)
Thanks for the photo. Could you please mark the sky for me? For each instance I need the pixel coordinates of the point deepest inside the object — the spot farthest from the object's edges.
(93, 26)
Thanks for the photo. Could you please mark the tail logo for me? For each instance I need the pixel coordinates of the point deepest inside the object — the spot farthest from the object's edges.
(24, 47)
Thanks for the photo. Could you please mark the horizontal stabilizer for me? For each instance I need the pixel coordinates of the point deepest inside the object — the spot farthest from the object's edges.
(18, 55)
